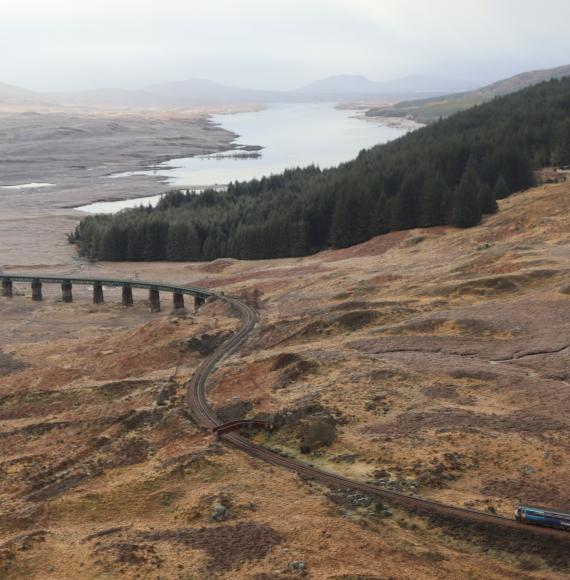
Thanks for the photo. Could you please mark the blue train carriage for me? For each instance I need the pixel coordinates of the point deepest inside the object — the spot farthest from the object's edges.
(543, 517)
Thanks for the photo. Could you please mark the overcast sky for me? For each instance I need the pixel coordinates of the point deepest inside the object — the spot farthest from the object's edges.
(277, 44)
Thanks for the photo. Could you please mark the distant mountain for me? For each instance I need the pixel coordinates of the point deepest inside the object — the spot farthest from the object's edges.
(427, 110)
(11, 91)
(340, 84)
(121, 98)
(349, 84)
(332, 88)
(17, 96)
(203, 91)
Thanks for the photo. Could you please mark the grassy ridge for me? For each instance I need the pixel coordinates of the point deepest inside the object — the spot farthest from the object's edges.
(434, 108)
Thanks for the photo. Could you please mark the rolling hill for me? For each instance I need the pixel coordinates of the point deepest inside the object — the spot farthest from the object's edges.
(428, 110)
(337, 87)
(12, 95)
(423, 97)
(419, 83)
(204, 91)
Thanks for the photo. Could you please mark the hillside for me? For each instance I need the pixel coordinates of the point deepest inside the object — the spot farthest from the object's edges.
(429, 110)
(449, 173)
(202, 91)
(439, 355)
(338, 87)
(195, 92)
(13, 96)
(117, 98)
(350, 84)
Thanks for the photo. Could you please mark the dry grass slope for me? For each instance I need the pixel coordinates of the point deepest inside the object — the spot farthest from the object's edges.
(441, 358)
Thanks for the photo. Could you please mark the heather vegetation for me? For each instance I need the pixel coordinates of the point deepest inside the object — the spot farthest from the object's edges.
(451, 172)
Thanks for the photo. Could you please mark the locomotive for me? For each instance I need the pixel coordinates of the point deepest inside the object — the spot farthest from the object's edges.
(543, 517)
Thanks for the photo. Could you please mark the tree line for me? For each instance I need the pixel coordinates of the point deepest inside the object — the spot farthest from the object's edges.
(448, 173)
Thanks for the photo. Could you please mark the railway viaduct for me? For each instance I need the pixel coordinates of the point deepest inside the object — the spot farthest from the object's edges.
(205, 416)
(178, 292)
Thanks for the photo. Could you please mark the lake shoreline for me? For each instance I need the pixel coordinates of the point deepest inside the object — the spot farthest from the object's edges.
(34, 222)
(395, 122)
(75, 152)
(288, 135)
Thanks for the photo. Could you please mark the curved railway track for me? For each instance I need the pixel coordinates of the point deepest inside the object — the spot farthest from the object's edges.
(205, 416)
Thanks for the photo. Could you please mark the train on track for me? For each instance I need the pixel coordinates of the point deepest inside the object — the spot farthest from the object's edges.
(550, 524)
(543, 517)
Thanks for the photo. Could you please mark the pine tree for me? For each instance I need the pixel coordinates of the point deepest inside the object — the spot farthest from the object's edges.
(501, 189)
(563, 149)
(405, 206)
(135, 244)
(487, 201)
(298, 239)
(210, 250)
(176, 247)
(362, 212)
(466, 210)
(432, 202)
(114, 243)
(342, 222)
(431, 176)
(155, 239)
(380, 221)
(192, 251)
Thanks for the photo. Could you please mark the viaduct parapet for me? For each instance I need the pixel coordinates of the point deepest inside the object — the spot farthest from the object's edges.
(200, 295)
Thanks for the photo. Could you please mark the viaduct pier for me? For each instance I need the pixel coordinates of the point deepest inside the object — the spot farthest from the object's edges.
(199, 295)
(550, 540)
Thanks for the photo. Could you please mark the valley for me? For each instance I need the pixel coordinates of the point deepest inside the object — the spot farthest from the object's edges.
(438, 356)
(95, 158)
(75, 152)
(284, 290)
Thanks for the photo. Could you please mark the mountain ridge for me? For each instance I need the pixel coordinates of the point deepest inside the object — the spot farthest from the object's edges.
(420, 96)
(348, 83)
(431, 109)
(15, 95)
(200, 91)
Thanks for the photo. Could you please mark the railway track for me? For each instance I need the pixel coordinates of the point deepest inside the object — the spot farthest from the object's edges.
(205, 416)
(197, 402)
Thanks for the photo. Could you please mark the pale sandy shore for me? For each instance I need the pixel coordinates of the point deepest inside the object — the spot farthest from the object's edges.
(76, 152)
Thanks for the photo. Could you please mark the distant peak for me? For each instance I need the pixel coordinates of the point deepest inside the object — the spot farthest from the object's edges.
(343, 83)
(348, 78)
(352, 83)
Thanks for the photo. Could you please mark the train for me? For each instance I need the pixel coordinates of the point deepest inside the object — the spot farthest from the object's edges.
(546, 517)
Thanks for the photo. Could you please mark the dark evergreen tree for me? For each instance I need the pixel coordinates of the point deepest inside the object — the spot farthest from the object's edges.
(440, 174)
(466, 210)
(177, 244)
(342, 227)
(433, 201)
(381, 220)
(114, 243)
(193, 251)
(562, 156)
(501, 189)
(404, 215)
(487, 201)
(210, 250)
